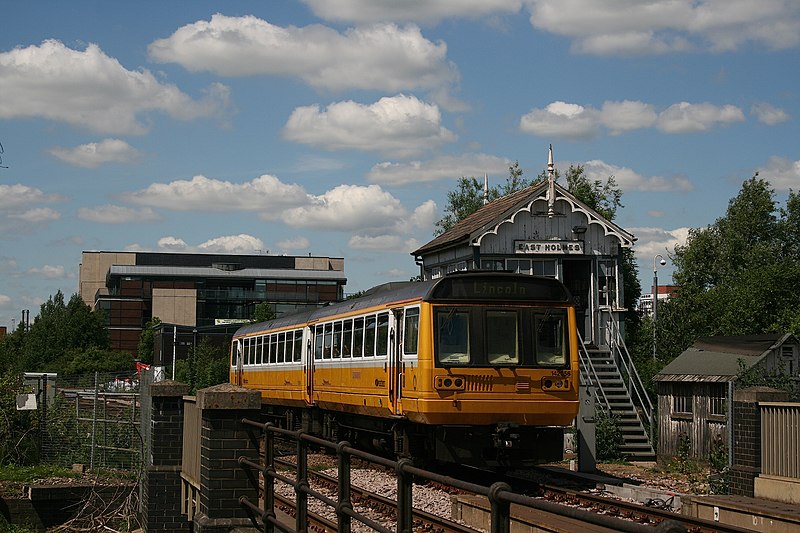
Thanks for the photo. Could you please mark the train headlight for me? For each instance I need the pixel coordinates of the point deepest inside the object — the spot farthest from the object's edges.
(449, 383)
(554, 383)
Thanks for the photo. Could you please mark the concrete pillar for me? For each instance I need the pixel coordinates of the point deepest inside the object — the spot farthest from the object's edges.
(223, 440)
(161, 484)
(746, 464)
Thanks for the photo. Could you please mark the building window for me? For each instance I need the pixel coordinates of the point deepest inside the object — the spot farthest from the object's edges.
(536, 267)
(493, 264)
(789, 360)
(718, 404)
(682, 399)
(436, 273)
(456, 267)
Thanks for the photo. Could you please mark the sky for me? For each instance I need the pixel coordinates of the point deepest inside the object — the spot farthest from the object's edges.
(337, 127)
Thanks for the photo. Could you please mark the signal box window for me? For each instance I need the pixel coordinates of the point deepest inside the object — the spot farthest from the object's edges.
(502, 338)
(411, 331)
(550, 346)
(452, 345)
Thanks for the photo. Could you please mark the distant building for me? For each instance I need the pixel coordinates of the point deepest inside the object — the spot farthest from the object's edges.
(201, 290)
(665, 292)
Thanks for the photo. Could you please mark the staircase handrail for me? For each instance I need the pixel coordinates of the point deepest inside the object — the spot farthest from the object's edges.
(586, 361)
(637, 386)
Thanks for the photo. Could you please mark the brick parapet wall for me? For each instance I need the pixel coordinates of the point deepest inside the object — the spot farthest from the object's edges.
(161, 483)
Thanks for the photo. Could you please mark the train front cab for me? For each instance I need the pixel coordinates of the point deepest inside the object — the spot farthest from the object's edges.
(495, 379)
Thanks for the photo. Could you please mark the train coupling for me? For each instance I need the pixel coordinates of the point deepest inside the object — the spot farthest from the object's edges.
(506, 436)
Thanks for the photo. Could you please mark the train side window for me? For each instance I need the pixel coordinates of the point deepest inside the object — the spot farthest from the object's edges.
(502, 337)
(336, 347)
(358, 337)
(281, 346)
(382, 340)
(246, 357)
(298, 345)
(273, 348)
(318, 342)
(452, 336)
(550, 339)
(369, 336)
(257, 355)
(347, 337)
(326, 346)
(411, 331)
(289, 346)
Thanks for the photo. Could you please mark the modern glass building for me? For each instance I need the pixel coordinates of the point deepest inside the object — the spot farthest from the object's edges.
(201, 290)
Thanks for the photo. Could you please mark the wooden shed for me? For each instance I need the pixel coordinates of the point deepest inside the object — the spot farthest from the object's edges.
(695, 391)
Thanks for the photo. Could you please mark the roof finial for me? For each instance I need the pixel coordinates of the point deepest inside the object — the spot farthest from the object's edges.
(485, 189)
(551, 183)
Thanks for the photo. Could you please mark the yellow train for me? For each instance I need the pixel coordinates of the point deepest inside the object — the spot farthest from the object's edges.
(477, 368)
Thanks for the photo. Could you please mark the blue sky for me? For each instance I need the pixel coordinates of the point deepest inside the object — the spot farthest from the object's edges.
(336, 127)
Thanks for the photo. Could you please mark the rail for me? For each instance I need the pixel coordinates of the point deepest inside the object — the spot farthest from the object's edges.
(636, 389)
(499, 494)
(780, 439)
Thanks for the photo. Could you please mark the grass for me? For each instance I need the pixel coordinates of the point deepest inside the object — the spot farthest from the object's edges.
(28, 474)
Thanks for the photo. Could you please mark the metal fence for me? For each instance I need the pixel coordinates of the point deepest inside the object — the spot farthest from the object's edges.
(780, 439)
(92, 420)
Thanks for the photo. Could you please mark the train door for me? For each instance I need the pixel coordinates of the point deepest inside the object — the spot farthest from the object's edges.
(237, 362)
(394, 370)
(308, 364)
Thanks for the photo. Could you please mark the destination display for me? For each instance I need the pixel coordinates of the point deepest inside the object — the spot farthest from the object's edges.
(499, 287)
(549, 247)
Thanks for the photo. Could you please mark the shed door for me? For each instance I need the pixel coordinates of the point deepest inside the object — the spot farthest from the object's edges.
(578, 279)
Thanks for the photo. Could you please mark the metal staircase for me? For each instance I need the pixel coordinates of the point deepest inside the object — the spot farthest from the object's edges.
(619, 390)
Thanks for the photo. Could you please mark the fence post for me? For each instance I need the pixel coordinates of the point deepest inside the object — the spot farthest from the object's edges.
(223, 440)
(161, 482)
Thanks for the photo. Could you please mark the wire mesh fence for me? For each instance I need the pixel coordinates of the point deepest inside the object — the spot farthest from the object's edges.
(92, 420)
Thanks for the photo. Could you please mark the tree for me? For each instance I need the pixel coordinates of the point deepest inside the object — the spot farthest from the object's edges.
(468, 197)
(738, 276)
(147, 340)
(263, 312)
(207, 365)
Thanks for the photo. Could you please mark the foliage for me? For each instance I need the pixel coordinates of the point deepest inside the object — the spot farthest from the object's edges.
(208, 365)
(18, 429)
(758, 376)
(468, 197)
(738, 276)
(608, 436)
(91, 360)
(718, 461)
(683, 462)
(263, 312)
(605, 198)
(146, 348)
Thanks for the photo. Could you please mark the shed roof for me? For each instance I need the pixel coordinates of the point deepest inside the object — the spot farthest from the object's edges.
(717, 358)
(494, 213)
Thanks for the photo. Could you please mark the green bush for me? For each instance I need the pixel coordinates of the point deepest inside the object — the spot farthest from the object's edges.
(608, 436)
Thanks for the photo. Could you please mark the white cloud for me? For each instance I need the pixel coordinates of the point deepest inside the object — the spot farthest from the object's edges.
(561, 119)
(400, 125)
(172, 244)
(662, 26)
(441, 168)
(574, 121)
(115, 214)
(91, 90)
(769, 114)
(627, 115)
(378, 242)
(684, 117)
(629, 180)
(233, 244)
(47, 271)
(347, 208)
(652, 241)
(782, 173)
(5, 301)
(19, 195)
(36, 215)
(265, 193)
(420, 11)
(92, 155)
(295, 243)
(383, 57)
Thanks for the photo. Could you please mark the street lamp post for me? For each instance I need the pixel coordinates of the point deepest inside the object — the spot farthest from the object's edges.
(655, 297)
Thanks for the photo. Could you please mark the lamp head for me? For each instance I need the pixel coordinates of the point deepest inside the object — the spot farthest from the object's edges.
(663, 262)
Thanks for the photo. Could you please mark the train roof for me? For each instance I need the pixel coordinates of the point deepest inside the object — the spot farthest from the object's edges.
(456, 286)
